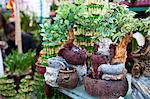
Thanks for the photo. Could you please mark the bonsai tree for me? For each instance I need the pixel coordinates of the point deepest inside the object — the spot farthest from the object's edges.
(113, 22)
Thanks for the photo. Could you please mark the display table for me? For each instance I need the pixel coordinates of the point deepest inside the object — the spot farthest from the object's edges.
(80, 93)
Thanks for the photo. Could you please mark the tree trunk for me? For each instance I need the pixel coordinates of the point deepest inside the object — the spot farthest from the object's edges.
(71, 36)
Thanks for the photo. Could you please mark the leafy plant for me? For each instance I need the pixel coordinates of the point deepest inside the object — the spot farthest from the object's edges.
(31, 25)
(53, 7)
(19, 63)
(113, 22)
(64, 21)
(7, 87)
(26, 88)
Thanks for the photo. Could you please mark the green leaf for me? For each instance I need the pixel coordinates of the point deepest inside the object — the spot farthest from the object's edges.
(66, 22)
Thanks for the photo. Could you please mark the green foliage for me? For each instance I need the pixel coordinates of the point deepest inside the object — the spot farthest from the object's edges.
(30, 24)
(113, 22)
(53, 7)
(39, 85)
(7, 87)
(64, 21)
(148, 10)
(26, 89)
(18, 63)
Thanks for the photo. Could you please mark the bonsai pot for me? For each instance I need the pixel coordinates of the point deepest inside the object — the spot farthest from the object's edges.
(67, 78)
(41, 69)
(105, 89)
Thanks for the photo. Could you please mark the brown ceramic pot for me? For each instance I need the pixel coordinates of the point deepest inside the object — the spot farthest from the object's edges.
(67, 78)
(105, 89)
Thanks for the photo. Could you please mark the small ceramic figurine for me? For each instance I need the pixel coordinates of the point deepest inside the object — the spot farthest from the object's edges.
(104, 51)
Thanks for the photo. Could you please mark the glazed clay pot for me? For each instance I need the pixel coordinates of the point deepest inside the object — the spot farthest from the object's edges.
(105, 89)
(41, 69)
(67, 78)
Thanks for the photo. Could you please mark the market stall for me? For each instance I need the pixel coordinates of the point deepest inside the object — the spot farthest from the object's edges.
(90, 49)
(83, 24)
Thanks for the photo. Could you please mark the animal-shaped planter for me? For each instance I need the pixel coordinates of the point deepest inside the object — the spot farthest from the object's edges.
(73, 54)
(103, 53)
(117, 54)
(55, 64)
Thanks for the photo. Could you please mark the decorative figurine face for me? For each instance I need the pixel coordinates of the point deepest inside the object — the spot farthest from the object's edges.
(104, 46)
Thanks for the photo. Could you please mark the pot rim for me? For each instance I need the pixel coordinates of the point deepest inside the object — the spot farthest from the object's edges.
(41, 66)
(67, 71)
(89, 76)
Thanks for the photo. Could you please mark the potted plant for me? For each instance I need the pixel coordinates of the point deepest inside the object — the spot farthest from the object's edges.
(114, 22)
(18, 65)
(40, 64)
(39, 86)
(26, 89)
(55, 34)
(118, 26)
(7, 87)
